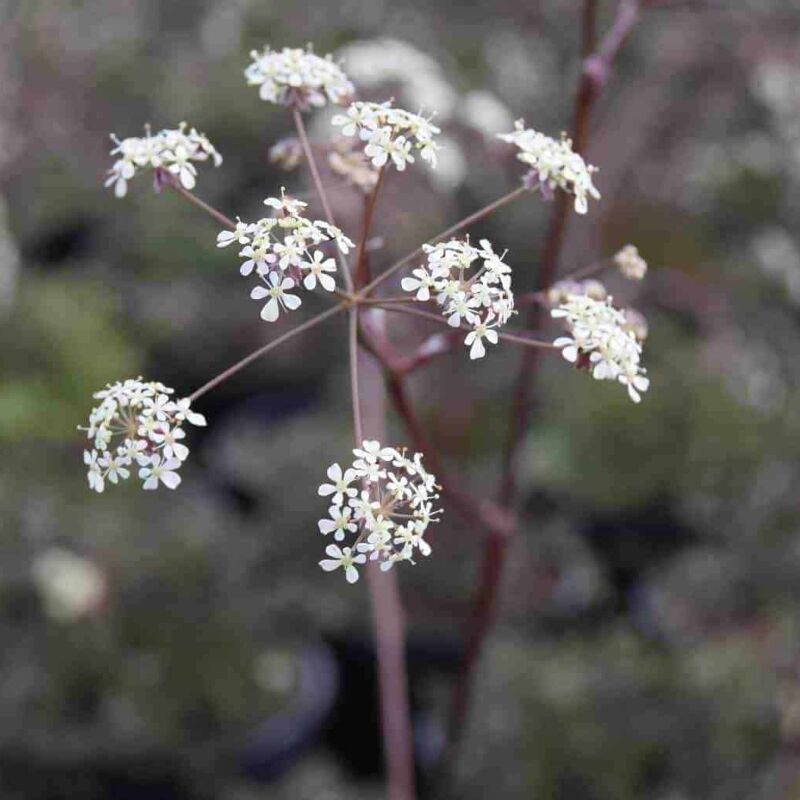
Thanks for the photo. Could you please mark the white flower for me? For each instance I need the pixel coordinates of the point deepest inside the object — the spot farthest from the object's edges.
(475, 339)
(115, 466)
(295, 77)
(600, 333)
(318, 269)
(344, 558)
(160, 470)
(71, 587)
(339, 522)
(240, 234)
(185, 412)
(147, 424)
(95, 473)
(554, 164)
(371, 451)
(482, 299)
(391, 134)
(422, 284)
(173, 149)
(278, 297)
(630, 263)
(390, 514)
(170, 441)
(340, 488)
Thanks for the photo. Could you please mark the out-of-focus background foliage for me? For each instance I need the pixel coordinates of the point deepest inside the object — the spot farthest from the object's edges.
(649, 636)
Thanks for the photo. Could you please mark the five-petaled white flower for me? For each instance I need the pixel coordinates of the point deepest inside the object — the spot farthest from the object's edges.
(318, 269)
(160, 470)
(474, 340)
(339, 523)
(278, 297)
(340, 488)
(344, 558)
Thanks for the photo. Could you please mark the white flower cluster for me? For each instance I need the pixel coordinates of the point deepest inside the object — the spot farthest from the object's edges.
(554, 164)
(282, 252)
(390, 133)
(601, 335)
(295, 77)
(148, 425)
(386, 501)
(483, 299)
(630, 263)
(172, 149)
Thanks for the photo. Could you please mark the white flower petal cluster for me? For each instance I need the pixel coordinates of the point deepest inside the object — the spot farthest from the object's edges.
(283, 251)
(599, 333)
(391, 134)
(384, 502)
(482, 299)
(138, 425)
(554, 164)
(630, 263)
(296, 77)
(173, 149)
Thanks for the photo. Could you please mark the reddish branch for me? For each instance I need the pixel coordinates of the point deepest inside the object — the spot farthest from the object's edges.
(595, 70)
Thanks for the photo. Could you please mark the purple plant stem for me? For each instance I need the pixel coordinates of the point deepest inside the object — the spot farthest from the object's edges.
(596, 68)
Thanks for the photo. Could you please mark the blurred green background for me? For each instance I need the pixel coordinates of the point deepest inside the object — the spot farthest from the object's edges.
(649, 636)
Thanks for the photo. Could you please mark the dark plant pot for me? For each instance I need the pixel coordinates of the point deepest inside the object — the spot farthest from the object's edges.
(279, 741)
(354, 730)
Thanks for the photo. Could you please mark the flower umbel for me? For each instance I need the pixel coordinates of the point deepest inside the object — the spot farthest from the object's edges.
(630, 263)
(173, 150)
(391, 134)
(600, 333)
(137, 424)
(482, 299)
(554, 164)
(385, 500)
(296, 77)
(285, 251)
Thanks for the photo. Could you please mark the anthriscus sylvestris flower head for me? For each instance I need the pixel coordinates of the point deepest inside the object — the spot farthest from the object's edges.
(284, 251)
(630, 263)
(173, 149)
(554, 164)
(600, 335)
(137, 428)
(382, 504)
(391, 134)
(299, 78)
(481, 298)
